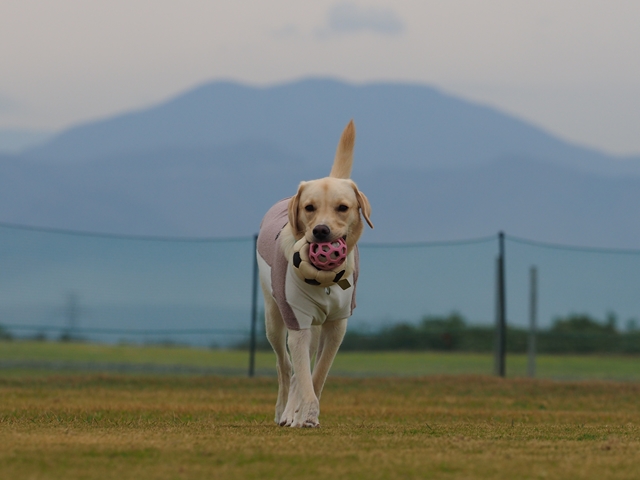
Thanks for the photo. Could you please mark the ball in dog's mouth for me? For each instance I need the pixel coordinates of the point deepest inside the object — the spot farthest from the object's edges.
(328, 255)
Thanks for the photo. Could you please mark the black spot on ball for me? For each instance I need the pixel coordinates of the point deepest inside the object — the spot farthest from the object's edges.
(338, 276)
(312, 281)
(297, 260)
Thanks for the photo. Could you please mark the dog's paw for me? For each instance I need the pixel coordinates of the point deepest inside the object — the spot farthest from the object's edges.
(306, 415)
(283, 420)
(303, 415)
(286, 419)
(309, 423)
(286, 416)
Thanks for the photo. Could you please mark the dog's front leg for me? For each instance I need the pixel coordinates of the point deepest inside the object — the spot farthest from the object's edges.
(277, 335)
(303, 407)
(330, 341)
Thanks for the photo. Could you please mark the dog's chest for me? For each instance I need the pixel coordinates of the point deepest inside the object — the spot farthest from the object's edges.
(315, 305)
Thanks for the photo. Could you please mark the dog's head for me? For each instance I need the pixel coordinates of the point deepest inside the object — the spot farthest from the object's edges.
(326, 209)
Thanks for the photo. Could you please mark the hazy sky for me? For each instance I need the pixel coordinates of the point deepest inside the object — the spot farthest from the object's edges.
(570, 66)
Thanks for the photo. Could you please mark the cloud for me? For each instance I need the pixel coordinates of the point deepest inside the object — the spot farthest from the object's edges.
(347, 18)
(286, 32)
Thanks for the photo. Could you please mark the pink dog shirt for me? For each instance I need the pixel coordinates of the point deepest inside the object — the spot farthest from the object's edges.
(301, 305)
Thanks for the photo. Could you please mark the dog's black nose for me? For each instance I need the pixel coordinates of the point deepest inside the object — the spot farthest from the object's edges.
(321, 232)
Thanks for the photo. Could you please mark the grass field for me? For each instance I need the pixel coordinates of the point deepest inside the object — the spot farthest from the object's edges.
(440, 427)
(99, 357)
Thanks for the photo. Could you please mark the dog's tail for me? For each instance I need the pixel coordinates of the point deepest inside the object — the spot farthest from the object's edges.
(344, 154)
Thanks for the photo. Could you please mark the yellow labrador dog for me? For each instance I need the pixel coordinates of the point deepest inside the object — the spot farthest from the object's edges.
(308, 263)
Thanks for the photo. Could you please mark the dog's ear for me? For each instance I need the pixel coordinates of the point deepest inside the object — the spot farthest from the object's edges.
(363, 203)
(294, 205)
(343, 161)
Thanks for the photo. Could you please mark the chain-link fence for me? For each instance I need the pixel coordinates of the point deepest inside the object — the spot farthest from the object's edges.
(56, 284)
(433, 297)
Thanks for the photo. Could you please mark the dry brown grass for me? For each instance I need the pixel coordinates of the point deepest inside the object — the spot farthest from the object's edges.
(99, 426)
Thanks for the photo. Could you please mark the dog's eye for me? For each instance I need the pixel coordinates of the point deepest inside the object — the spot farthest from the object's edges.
(343, 208)
(309, 208)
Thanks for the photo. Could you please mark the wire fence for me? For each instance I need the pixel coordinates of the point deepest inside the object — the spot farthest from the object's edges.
(431, 296)
(117, 288)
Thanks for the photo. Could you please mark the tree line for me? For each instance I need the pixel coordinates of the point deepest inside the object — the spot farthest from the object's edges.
(576, 333)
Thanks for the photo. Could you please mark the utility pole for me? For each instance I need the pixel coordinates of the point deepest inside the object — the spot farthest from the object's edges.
(72, 311)
(533, 313)
(501, 311)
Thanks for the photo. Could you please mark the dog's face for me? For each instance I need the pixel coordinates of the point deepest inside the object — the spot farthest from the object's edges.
(326, 209)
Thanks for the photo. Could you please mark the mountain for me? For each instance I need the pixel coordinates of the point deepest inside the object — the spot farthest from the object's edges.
(185, 193)
(17, 140)
(167, 192)
(211, 161)
(525, 198)
(410, 126)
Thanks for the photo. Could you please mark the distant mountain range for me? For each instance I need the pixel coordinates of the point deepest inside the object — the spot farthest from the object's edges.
(211, 161)
(17, 140)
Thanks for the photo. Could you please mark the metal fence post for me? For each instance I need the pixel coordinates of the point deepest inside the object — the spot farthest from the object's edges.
(501, 311)
(254, 311)
(533, 310)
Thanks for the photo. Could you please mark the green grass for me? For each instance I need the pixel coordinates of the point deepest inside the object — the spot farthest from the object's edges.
(604, 367)
(439, 427)
(133, 354)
